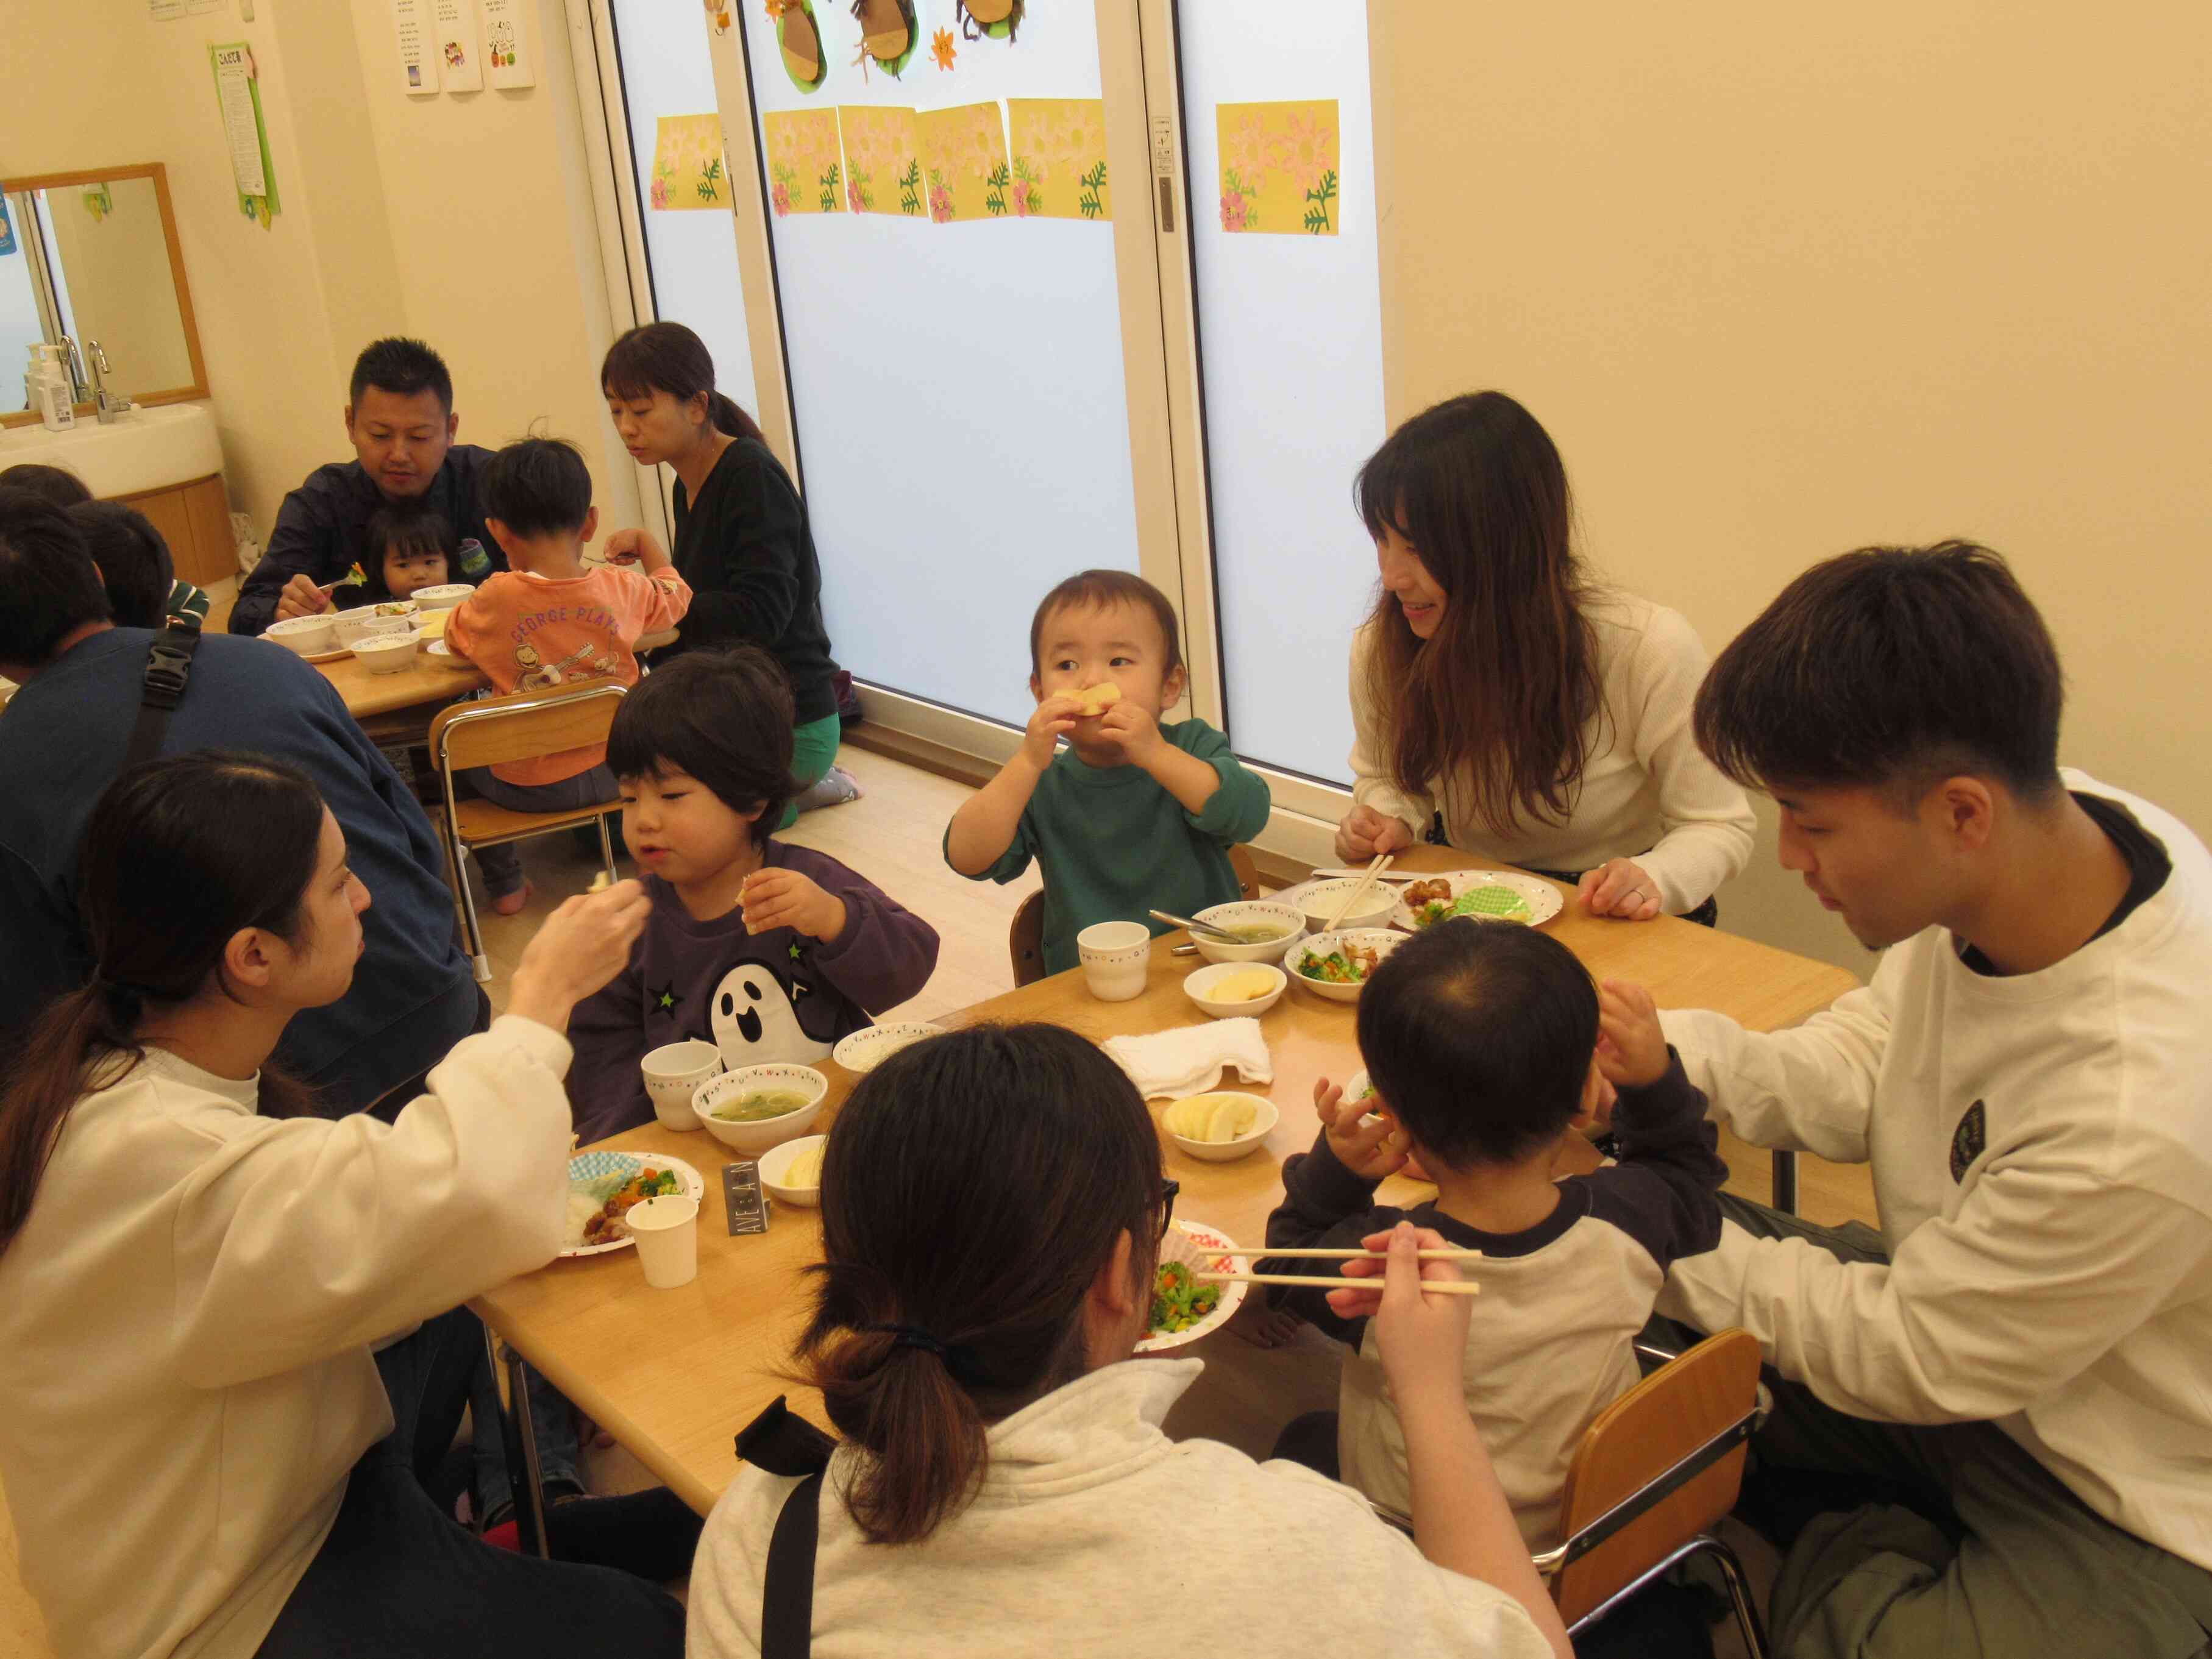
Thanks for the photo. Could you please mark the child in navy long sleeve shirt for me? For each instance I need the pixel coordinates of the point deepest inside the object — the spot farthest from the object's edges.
(770, 952)
(1485, 1041)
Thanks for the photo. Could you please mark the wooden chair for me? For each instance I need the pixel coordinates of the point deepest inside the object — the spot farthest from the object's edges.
(1652, 1478)
(521, 726)
(1025, 938)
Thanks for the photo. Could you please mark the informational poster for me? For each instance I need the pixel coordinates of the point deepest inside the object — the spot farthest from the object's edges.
(1279, 166)
(882, 159)
(688, 168)
(241, 116)
(166, 11)
(460, 58)
(7, 229)
(963, 155)
(418, 62)
(508, 63)
(1060, 158)
(806, 171)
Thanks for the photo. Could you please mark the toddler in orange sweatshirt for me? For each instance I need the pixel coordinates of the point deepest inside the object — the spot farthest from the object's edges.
(549, 620)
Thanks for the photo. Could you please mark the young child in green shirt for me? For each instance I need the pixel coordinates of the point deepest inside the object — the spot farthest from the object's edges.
(1132, 816)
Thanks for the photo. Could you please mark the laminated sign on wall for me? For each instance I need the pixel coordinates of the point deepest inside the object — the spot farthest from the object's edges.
(1279, 166)
(806, 172)
(460, 61)
(418, 61)
(688, 168)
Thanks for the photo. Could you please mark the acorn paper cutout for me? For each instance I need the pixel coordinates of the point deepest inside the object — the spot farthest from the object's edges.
(889, 34)
(998, 18)
(799, 38)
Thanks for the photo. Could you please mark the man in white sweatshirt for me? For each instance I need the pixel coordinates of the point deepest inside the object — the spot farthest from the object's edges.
(2001, 1405)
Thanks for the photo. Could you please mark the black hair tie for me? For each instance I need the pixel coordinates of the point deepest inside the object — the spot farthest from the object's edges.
(118, 992)
(959, 1361)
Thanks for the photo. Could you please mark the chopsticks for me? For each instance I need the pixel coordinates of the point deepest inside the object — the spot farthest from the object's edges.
(1441, 1287)
(1341, 1256)
(1383, 862)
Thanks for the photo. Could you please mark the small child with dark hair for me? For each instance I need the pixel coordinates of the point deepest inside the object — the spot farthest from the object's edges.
(770, 952)
(144, 590)
(409, 547)
(548, 621)
(1486, 1042)
(1132, 816)
(54, 484)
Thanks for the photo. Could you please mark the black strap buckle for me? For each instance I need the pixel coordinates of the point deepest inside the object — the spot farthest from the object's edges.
(167, 669)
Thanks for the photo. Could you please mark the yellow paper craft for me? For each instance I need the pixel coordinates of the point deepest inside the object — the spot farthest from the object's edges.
(1060, 158)
(1279, 166)
(805, 166)
(963, 157)
(688, 169)
(883, 160)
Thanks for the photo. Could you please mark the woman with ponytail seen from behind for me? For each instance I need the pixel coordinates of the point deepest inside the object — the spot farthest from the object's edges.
(234, 1341)
(992, 1212)
(742, 540)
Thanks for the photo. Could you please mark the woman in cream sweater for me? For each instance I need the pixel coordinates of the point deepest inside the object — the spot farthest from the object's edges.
(1502, 704)
(1004, 1486)
(231, 1325)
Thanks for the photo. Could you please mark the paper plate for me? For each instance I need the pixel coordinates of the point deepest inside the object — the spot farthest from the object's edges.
(1188, 1243)
(595, 1169)
(1542, 896)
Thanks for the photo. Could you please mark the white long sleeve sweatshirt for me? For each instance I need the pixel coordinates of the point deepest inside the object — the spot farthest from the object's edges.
(1647, 792)
(2042, 1153)
(1093, 1533)
(187, 1317)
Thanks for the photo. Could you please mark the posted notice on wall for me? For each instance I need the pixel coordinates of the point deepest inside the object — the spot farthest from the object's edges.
(418, 63)
(241, 120)
(460, 62)
(507, 59)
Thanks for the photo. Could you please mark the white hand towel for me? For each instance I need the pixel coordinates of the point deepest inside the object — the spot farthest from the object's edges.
(1191, 1059)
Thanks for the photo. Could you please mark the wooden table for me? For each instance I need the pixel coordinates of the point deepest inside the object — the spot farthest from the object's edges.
(399, 707)
(674, 1375)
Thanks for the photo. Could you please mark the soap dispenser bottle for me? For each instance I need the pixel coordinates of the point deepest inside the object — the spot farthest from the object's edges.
(50, 392)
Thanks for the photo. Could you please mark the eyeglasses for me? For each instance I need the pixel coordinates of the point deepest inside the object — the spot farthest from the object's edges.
(1168, 1191)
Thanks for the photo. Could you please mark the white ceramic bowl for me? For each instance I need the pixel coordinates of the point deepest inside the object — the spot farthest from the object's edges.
(1249, 913)
(1228, 1152)
(387, 654)
(673, 1075)
(754, 1138)
(444, 597)
(1381, 940)
(777, 1160)
(1354, 1086)
(359, 624)
(866, 1049)
(1201, 982)
(308, 636)
(1321, 900)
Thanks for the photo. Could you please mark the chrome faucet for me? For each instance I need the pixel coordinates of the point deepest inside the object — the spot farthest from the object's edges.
(111, 405)
(75, 359)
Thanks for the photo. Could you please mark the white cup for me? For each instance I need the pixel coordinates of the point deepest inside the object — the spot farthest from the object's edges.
(672, 1072)
(666, 1230)
(1116, 956)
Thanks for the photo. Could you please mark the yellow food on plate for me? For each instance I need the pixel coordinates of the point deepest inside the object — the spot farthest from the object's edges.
(806, 1169)
(1211, 1118)
(431, 623)
(1248, 987)
(1097, 699)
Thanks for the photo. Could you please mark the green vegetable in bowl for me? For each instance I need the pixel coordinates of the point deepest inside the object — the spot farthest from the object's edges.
(1179, 1300)
(760, 1105)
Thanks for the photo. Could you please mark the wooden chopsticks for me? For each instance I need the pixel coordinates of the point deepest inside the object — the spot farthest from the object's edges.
(1383, 862)
(1442, 1287)
(1341, 1256)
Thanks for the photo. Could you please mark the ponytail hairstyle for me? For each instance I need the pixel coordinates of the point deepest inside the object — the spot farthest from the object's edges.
(1498, 702)
(973, 1187)
(178, 856)
(669, 357)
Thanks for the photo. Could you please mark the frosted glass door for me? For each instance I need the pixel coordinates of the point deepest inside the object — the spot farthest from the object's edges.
(1289, 334)
(691, 250)
(954, 343)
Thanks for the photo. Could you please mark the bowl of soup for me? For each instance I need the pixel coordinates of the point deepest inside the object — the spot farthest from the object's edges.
(757, 1107)
(1265, 928)
(444, 597)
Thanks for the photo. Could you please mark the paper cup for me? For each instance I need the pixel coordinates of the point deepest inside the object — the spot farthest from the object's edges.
(666, 1230)
(1116, 956)
(672, 1073)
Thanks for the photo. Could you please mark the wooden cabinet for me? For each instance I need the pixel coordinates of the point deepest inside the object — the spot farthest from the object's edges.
(194, 518)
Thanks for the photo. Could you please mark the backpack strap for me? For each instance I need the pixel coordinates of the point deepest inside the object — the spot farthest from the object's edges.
(784, 1444)
(169, 671)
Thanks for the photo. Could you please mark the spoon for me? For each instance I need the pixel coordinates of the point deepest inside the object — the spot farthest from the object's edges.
(1218, 935)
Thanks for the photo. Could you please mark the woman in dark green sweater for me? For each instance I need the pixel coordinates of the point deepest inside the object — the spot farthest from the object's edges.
(742, 538)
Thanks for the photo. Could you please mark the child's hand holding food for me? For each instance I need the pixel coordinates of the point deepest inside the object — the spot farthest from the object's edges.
(1131, 728)
(1631, 1049)
(1369, 1150)
(1054, 719)
(784, 898)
